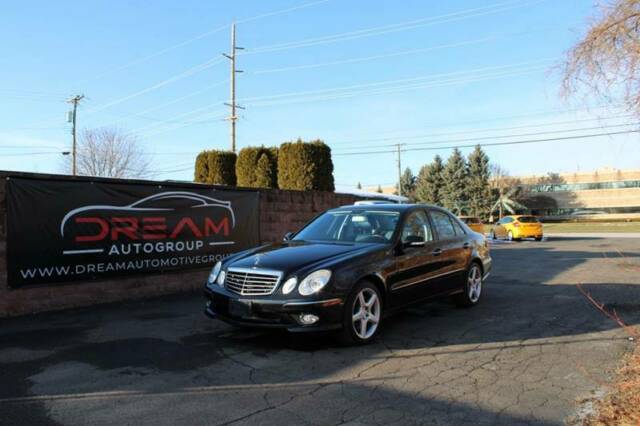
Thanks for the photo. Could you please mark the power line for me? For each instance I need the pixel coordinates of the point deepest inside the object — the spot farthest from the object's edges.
(402, 80)
(154, 129)
(374, 57)
(494, 144)
(397, 88)
(179, 126)
(482, 138)
(171, 102)
(281, 11)
(481, 40)
(332, 93)
(187, 73)
(201, 36)
(391, 28)
(473, 131)
(25, 154)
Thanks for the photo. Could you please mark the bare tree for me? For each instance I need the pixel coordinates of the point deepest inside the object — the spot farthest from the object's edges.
(110, 153)
(607, 59)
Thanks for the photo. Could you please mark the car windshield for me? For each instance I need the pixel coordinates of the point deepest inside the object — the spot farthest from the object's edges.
(528, 219)
(357, 226)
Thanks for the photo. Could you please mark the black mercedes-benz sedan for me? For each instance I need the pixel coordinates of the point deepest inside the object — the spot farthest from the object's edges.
(350, 267)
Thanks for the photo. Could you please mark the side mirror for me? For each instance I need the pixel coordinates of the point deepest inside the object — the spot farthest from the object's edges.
(413, 241)
(288, 236)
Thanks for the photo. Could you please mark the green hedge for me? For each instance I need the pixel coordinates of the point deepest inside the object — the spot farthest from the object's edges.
(251, 173)
(216, 167)
(305, 166)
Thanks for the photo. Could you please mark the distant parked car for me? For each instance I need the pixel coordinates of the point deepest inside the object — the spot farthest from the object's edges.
(474, 223)
(350, 267)
(517, 227)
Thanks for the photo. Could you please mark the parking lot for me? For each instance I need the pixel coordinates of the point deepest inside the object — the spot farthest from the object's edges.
(533, 351)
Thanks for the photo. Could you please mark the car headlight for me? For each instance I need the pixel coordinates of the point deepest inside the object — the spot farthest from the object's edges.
(215, 271)
(221, 278)
(289, 285)
(314, 282)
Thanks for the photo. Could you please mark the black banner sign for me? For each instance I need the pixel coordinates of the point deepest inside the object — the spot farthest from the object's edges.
(76, 230)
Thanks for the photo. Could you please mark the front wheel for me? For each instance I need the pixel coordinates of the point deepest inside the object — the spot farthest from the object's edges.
(472, 289)
(362, 314)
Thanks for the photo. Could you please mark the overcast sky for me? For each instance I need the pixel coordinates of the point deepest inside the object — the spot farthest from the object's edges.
(359, 74)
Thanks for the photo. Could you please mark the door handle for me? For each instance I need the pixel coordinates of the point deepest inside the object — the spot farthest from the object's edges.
(466, 245)
(437, 252)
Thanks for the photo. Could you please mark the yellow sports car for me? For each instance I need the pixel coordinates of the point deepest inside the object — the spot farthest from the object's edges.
(517, 227)
(474, 223)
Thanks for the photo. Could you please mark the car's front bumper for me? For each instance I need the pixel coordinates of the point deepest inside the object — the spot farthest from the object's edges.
(267, 312)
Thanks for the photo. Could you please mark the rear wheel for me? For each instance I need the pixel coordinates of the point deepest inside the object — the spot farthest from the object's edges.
(472, 289)
(362, 314)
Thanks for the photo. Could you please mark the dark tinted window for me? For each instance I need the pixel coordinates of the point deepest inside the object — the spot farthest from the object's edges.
(457, 227)
(416, 228)
(443, 224)
(528, 219)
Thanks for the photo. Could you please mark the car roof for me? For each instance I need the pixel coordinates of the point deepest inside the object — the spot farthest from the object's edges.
(387, 207)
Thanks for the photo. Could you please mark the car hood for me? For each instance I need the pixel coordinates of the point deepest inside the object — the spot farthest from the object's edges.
(291, 256)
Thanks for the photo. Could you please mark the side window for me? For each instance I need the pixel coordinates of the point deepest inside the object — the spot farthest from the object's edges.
(457, 227)
(416, 228)
(508, 220)
(442, 224)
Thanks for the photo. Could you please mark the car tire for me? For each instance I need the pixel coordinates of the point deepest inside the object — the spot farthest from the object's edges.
(362, 314)
(472, 287)
(538, 238)
(510, 236)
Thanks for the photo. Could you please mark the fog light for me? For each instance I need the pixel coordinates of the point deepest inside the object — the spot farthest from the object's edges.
(308, 319)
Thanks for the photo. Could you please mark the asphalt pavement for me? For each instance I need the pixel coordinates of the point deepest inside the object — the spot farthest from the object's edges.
(534, 351)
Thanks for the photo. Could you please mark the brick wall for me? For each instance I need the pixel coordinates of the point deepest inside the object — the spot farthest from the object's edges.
(280, 212)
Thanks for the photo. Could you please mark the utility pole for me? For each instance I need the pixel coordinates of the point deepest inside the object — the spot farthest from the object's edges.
(399, 171)
(232, 104)
(75, 100)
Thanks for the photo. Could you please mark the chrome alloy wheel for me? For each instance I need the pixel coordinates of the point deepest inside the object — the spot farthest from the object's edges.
(474, 283)
(366, 313)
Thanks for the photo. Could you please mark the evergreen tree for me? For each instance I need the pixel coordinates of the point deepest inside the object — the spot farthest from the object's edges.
(408, 184)
(479, 190)
(264, 176)
(456, 179)
(379, 190)
(429, 185)
(359, 186)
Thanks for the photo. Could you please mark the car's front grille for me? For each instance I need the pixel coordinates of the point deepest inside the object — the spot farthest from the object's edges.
(251, 282)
